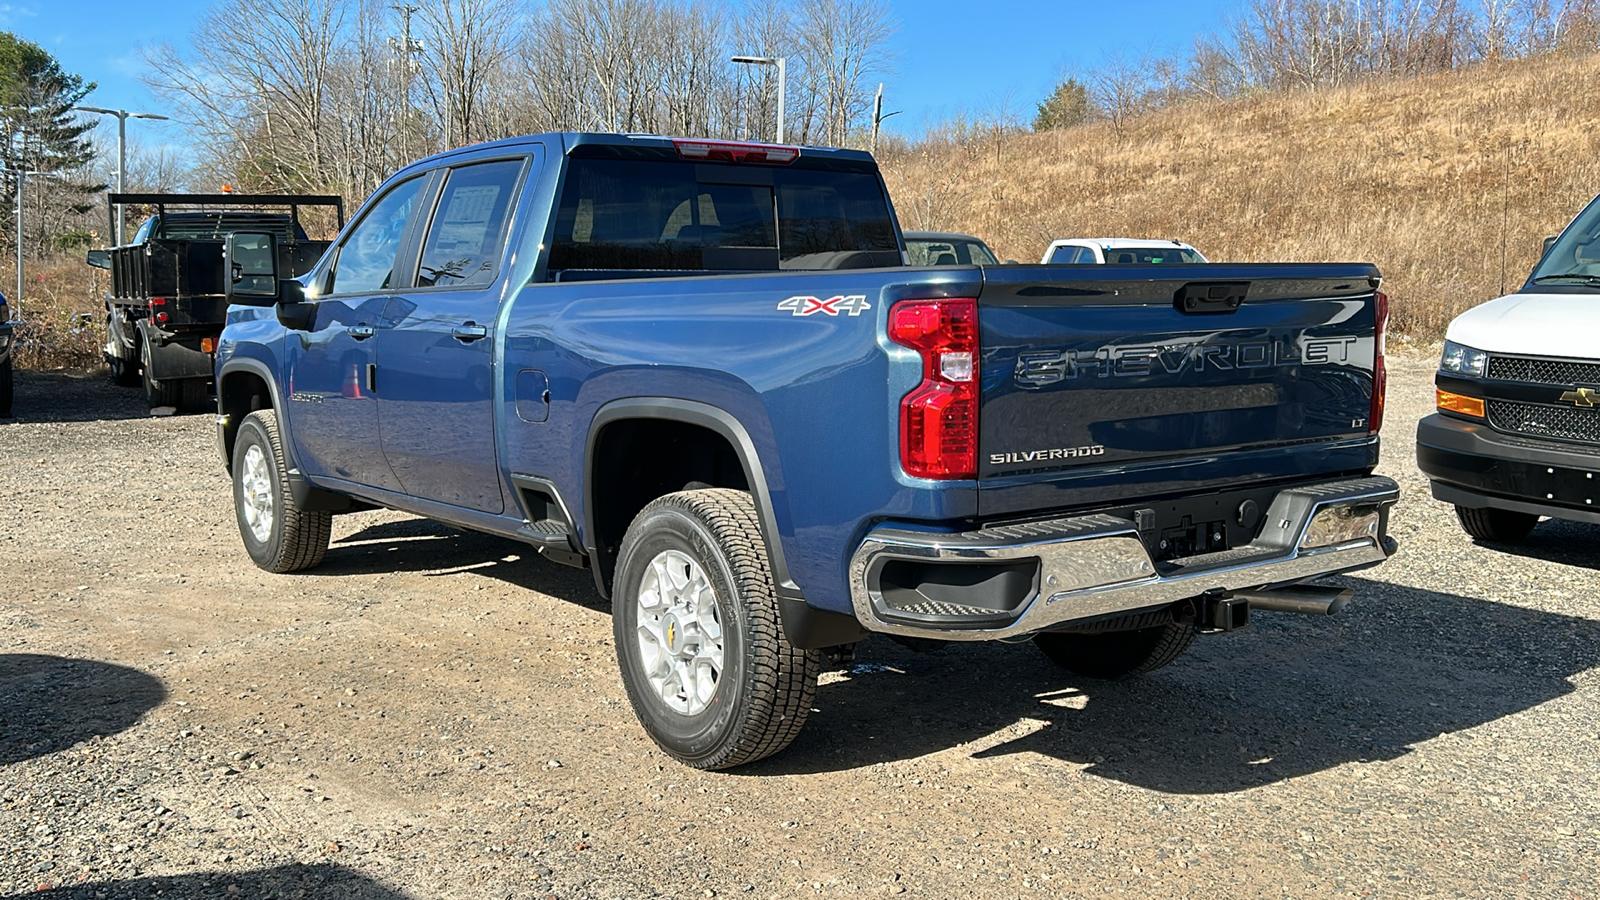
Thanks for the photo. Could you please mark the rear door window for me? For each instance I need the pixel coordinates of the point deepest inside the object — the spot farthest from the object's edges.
(468, 233)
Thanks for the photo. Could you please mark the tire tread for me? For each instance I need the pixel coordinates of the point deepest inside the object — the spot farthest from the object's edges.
(1500, 525)
(304, 535)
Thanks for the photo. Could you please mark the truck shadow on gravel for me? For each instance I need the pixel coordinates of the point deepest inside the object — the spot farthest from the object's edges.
(52, 702)
(1556, 541)
(1289, 697)
(438, 549)
(73, 397)
(322, 882)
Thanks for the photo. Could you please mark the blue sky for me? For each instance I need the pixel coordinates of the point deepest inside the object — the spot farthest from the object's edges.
(950, 56)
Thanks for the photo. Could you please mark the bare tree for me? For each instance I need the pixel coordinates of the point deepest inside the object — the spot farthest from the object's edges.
(465, 45)
(843, 43)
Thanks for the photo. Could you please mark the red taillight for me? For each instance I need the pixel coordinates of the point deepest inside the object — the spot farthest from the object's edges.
(730, 151)
(1380, 376)
(161, 317)
(158, 301)
(939, 419)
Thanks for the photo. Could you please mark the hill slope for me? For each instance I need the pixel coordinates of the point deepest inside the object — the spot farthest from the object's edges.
(1447, 183)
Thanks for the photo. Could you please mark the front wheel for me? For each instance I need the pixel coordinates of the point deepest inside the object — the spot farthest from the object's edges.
(706, 665)
(1500, 525)
(1117, 654)
(278, 534)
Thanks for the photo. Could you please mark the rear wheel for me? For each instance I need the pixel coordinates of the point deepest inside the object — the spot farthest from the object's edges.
(124, 372)
(278, 534)
(707, 667)
(1117, 654)
(158, 393)
(1499, 525)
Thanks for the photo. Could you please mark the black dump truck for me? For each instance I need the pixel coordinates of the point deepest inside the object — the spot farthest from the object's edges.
(166, 306)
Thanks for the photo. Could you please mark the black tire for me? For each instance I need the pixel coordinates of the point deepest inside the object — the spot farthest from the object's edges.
(194, 395)
(765, 687)
(157, 393)
(7, 388)
(1500, 525)
(293, 539)
(1117, 654)
(124, 371)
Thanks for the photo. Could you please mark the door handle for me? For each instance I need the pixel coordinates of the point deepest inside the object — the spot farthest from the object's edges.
(469, 332)
(359, 332)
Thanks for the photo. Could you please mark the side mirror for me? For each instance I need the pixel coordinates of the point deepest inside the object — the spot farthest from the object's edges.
(100, 259)
(1011, 262)
(1549, 242)
(250, 268)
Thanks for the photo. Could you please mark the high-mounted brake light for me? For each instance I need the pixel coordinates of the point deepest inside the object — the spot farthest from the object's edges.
(1380, 376)
(939, 418)
(731, 151)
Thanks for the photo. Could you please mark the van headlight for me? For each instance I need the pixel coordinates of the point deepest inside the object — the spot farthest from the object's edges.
(1459, 359)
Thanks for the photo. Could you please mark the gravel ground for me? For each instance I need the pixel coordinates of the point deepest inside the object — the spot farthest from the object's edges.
(435, 713)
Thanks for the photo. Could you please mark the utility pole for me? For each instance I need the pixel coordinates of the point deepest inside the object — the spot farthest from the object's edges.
(878, 115)
(405, 47)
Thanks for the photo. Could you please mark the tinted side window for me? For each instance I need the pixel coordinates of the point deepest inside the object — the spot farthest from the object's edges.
(468, 232)
(367, 256)
(1066, 256)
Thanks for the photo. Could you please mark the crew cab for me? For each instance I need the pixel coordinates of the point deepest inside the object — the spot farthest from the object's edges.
(1119, 251)
(704, 371)
(1517, 433)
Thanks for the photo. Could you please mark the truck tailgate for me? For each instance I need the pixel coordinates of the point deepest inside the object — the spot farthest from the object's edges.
(1152, 375)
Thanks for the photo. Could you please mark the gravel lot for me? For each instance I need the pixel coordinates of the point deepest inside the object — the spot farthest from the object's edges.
(437, 714)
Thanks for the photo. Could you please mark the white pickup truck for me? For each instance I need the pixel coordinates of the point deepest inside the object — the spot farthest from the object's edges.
(1119, 251)
(1517, 432)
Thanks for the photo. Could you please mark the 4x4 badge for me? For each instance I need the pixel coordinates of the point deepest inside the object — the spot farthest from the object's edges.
(852, 305)
(1585, 397)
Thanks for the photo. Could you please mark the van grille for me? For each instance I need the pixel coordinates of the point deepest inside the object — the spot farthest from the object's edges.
(1535, 420)
(1543, 371)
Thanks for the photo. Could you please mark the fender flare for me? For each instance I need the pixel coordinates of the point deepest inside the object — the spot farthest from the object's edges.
(305, 495)
(805, 626)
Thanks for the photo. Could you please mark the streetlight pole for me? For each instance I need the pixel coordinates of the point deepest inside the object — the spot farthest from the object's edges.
(22, 178)
(781, 62)
(122, 147)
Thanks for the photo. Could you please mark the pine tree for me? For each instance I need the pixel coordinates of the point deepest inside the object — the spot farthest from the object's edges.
(1066, 106)
(38, 130)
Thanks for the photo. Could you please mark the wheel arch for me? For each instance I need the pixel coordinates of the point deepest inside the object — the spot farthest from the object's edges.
(608, 518)
(245, 385)
(601, 520)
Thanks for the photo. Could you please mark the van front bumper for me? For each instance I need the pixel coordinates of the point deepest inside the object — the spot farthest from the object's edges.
(1470, 464)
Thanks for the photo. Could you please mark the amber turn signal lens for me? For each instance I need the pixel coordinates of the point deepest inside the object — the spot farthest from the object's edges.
(1466, 406)
(208, 345)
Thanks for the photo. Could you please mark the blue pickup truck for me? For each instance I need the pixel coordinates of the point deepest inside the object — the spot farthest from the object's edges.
(704, 371)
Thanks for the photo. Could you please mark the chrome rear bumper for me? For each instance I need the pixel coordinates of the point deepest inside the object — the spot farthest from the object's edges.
(1095, 566)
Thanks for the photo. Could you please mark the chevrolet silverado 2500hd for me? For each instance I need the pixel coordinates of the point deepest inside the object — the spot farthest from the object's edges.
(703, 371)
(1517, 432)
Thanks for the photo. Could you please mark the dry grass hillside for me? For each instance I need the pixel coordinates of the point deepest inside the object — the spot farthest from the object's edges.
(1446, 183)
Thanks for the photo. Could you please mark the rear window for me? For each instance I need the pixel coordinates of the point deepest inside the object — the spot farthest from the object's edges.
(1151, 256)
(924, 252)
(214, 226)
(631, 214)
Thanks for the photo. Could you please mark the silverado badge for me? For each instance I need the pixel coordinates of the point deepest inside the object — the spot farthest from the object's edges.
(1585, 397)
